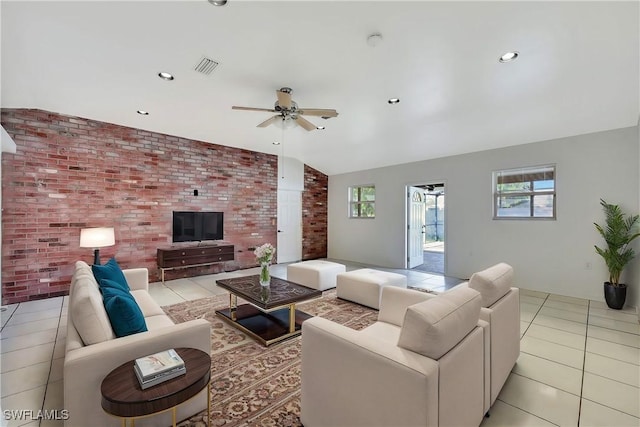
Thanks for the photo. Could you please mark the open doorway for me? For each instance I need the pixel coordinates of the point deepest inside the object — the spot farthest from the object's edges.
(426, 227)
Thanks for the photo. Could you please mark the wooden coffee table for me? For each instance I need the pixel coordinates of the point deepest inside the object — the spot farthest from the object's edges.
(270, 315)
(123, 397)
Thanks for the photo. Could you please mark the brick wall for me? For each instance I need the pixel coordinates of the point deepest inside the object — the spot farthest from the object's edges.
(314, 214)
(70, 173)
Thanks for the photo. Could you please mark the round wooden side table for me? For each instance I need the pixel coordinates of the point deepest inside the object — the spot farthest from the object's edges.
(123, 397)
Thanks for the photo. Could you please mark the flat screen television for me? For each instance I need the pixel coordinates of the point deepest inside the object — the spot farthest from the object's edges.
(197, 226)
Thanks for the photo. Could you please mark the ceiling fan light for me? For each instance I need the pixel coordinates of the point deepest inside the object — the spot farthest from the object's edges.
(320, 127)
(509, 56)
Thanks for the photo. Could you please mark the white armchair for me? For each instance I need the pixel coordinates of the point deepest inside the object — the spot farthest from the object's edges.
(501, 310)
(413, 367)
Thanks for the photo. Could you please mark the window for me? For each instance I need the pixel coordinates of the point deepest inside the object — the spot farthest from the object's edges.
(525, 193)
(362, 201)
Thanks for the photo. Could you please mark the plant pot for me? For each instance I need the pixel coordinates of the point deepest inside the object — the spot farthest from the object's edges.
(615, 295)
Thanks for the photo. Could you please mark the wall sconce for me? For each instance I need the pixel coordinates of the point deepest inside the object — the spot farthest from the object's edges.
(97, 238)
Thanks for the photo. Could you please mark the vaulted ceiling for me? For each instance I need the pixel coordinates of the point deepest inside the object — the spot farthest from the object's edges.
(577, 71)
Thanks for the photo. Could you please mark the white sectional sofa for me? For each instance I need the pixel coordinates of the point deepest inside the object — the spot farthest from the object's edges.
(92, 350)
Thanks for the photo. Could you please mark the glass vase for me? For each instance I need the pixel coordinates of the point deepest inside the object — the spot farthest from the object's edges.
(265, 277)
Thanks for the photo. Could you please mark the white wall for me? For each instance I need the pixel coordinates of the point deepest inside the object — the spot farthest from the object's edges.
(548, 256)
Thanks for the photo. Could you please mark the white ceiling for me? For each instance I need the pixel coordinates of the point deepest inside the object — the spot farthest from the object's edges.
(578, 71)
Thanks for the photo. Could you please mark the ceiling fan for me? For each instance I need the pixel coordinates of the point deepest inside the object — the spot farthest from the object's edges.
(287, 111)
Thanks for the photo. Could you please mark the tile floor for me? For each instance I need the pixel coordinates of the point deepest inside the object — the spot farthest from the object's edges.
(579, 362)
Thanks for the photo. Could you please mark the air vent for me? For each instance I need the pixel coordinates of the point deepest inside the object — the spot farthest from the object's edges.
(206, 65)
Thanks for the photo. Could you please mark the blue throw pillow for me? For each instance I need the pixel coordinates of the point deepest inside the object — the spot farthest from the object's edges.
(106, 283)
(124, 314)
(111, 271)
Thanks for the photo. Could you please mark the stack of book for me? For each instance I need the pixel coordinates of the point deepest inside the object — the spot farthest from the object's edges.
(158, 368)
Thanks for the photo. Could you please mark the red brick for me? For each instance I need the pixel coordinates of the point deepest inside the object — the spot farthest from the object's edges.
(110, 175)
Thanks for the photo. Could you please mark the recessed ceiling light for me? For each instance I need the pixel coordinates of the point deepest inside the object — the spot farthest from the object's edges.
(143, 113)
(320, 127)
(276, 143)
(509, 56)
(393, 100)
(165, 76)
(218, 2)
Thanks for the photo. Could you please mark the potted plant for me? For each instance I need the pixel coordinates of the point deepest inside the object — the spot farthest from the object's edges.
(617, 233)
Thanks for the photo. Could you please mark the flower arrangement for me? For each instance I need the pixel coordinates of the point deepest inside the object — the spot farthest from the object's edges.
(264, 255)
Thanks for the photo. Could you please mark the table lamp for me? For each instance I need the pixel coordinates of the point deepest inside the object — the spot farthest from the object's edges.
(95, 238)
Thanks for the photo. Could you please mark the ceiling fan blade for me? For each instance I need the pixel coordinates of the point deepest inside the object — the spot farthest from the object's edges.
(305, 123)
(284, 99)
(321, 112)
(269, 121)
(270, 110)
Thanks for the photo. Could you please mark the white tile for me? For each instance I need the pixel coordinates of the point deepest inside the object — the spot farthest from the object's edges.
(8, 311)
(602, 304)
(562, 324)
(192, 292)
(30, 399)
(541, 400)
(29, 340)
(59, 348)
(39, 305)
(503, 415)
(593, 414)
(614, 336)
(25, 357)
(550, 373)
(536, 294)
(617, 370)
(54, 395)
(615, 395)
(24, 379)
(523, 327)
(57, 366)
(632, 328)
(18, 318)
(572, 300)
(564, 314)
(163, 295)
(621, 352)
(577, 308)
(531, 300)
(551, 351)
(557, 336)
(528, 311)
(29, 328)
(623, 316)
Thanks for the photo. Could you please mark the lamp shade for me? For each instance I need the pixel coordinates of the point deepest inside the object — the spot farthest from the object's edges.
(97, 237)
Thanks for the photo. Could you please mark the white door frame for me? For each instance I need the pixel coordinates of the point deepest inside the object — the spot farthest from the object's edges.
(445, 216)
(416, 215)
(289, 244)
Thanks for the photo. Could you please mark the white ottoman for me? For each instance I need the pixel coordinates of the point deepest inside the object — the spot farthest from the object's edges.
(364, 286)
(315, 274)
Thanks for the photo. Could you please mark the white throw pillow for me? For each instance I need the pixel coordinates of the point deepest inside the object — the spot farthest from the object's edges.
(492, 283)
(88, 313)
(435, 326)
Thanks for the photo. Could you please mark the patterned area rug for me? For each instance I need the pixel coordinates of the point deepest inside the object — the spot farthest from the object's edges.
(253, 385)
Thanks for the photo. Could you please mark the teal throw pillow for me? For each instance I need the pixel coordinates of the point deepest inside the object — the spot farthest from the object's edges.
(106, 283)
(111, 271)
(124, 313)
